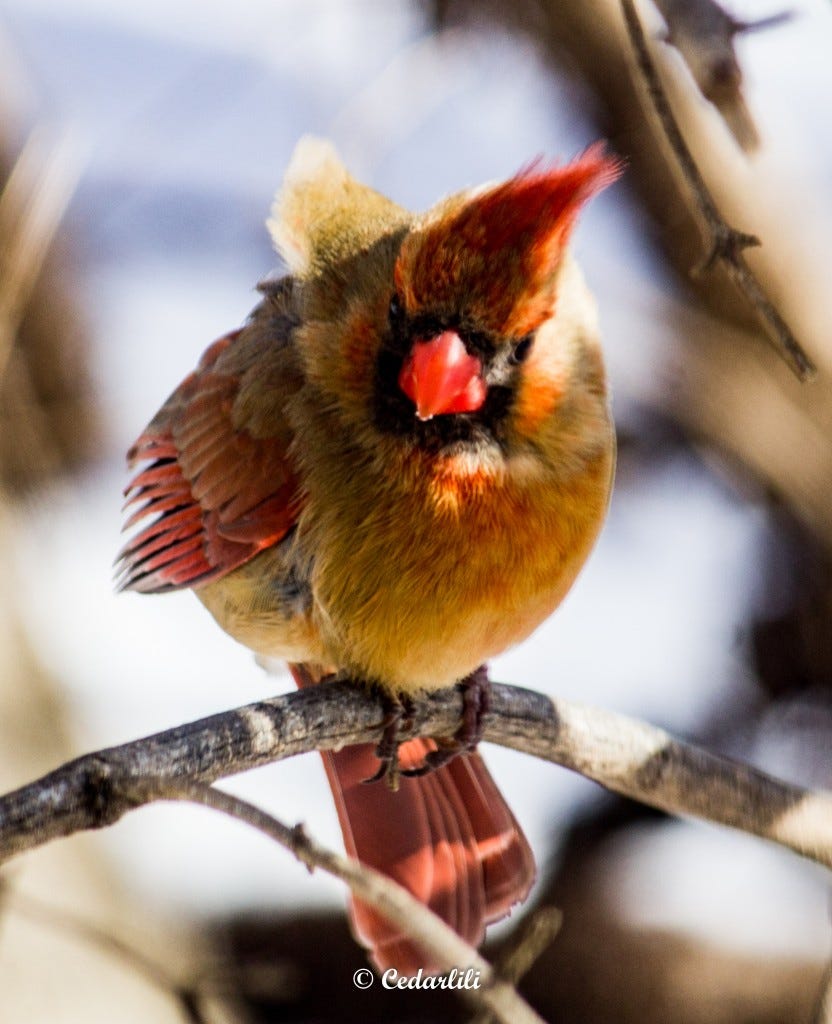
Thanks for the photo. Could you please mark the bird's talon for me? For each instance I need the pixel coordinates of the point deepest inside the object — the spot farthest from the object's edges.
(476, 702)
(382, 771)
(433, 760)
(398, 718)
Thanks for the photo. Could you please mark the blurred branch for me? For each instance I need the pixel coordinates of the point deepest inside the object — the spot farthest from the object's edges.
(495, 994)
(727, 244)
(823, 1008)
(703, 32)
(32, 205)
(46, 417)
(622, 754)
(186, 996)
(610, 963)
(532, 938)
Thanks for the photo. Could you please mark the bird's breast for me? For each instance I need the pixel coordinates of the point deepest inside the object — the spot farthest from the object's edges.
(432, 573)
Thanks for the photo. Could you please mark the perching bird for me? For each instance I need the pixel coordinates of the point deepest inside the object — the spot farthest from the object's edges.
(394, 471)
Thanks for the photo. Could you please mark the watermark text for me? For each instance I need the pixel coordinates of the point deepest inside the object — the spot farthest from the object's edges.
(454, 979)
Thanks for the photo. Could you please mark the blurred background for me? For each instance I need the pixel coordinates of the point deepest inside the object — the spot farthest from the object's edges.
(140, 147)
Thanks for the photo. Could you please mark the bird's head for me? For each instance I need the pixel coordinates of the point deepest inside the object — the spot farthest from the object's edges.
(442, 324)
(475, 285)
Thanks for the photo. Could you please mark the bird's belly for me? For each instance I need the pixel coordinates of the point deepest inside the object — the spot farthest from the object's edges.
(424, 614)
(426, 662)
(421, 608)
(390, 638)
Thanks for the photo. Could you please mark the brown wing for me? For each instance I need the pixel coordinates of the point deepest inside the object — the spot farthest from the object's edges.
(220, 486)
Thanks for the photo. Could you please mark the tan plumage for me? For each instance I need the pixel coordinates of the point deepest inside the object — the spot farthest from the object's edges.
(398, 466)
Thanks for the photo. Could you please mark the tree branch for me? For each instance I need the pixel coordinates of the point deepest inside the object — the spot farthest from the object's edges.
(532, 938)
(622, 754)
(727, 243)
(704, 32)
(495, 994)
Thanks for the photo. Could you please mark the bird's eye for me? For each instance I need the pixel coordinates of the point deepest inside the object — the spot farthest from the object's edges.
(395, 310)
(522, 349)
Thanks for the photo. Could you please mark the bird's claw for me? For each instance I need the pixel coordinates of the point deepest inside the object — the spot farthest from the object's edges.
(476, 702)
(398, 718)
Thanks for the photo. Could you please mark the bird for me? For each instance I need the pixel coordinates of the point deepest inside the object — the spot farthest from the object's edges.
(392, 473)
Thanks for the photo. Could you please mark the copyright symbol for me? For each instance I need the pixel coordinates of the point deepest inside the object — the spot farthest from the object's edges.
(363, 978)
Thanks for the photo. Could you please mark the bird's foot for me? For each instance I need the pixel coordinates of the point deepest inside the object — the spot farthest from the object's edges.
(476, 702)
(398, 719)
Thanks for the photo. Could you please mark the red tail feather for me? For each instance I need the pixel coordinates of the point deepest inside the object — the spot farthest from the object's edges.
(448, 837)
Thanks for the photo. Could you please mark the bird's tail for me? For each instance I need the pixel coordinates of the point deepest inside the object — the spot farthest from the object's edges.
(448, 837)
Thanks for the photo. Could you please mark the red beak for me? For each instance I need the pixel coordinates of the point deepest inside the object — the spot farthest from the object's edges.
(439, 376)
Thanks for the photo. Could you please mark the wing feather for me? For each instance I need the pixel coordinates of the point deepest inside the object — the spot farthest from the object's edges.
(212, 493)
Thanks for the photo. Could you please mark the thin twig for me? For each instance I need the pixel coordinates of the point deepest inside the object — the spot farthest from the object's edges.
(494, 993)
(742, 27)
(532, 938)
(624, 755)
(727, 243)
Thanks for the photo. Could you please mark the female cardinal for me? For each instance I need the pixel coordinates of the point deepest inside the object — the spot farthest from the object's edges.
(394, 471)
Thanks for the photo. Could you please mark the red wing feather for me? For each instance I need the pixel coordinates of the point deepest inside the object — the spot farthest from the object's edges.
(213, 494)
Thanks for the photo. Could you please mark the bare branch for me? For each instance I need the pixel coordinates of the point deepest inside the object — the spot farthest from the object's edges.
(495, 994)
(726, 243)
(622, 754)
(703, 32)
(532, 938)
